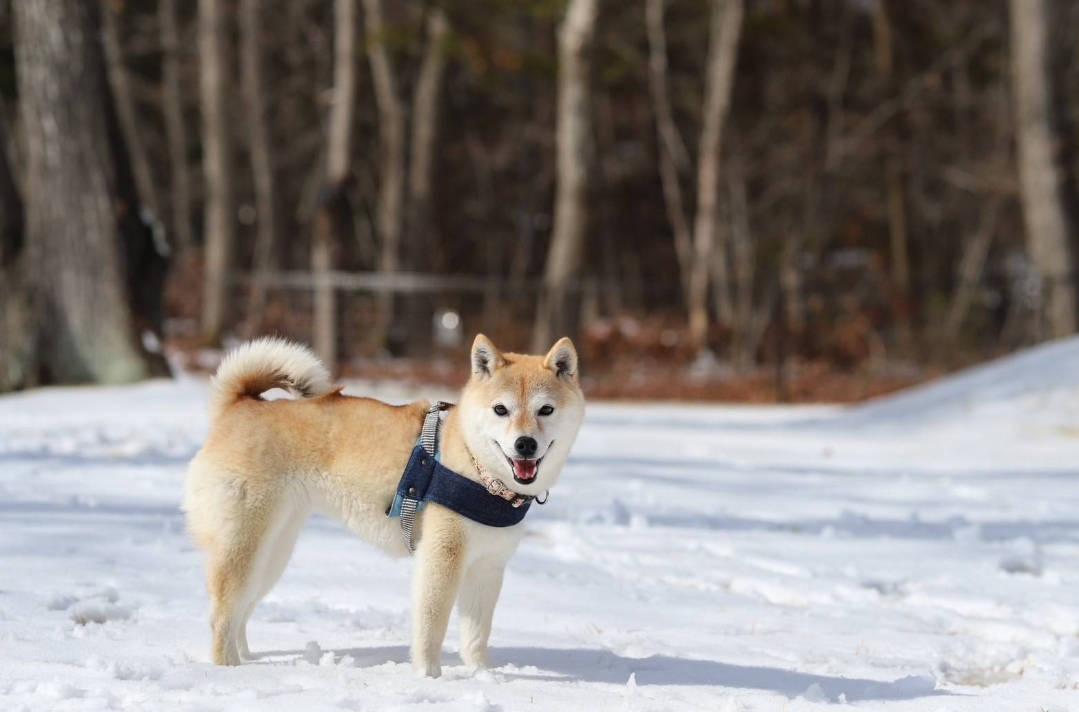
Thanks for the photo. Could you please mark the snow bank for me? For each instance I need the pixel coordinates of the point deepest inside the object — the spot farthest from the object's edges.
(1046, 370)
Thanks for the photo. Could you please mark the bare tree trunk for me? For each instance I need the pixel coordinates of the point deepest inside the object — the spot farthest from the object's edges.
(673, 157)
(1039, 176)
(217, 166)
(799, 237)
(93, 269)
(838, 80)
(743, 253)
(172, 105)
(481, 216)
(125, 111)
(970, 268)
(338, 160)
(893, 171)
(262, 168)
(900, 250)
(18, 361)
(722, 52)
(422, 243)
(608, 294)
(976, 249)
(391, 129)
(425, 111)
(572, 141)
(11, 209)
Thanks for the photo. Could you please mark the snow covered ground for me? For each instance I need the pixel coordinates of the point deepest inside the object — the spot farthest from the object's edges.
(919, 553)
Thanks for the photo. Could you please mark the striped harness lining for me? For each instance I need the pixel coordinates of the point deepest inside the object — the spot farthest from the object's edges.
(429, 443)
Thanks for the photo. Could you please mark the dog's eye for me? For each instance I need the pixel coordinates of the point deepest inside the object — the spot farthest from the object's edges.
(546, 410)
(501, 410)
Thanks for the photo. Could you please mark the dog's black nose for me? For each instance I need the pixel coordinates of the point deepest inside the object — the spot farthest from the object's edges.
(525, 446)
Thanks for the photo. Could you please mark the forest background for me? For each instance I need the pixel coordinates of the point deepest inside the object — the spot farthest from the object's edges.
(719, 199)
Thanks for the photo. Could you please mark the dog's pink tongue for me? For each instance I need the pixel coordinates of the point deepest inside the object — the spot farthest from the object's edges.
(524, 469)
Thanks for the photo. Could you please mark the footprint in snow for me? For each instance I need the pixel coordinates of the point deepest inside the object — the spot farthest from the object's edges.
(98, 607)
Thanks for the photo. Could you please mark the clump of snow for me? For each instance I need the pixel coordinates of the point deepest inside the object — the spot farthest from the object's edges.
(60, 602)
(89, 612)
(1025, 558)
(312, 653)
(485, 675)
(731, 704)
(814, 693)
(56, 690)
(480, 703)
(914, 685)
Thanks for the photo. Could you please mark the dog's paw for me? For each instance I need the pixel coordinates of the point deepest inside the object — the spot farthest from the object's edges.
(433, 669)
(478, 661)
(232, 660)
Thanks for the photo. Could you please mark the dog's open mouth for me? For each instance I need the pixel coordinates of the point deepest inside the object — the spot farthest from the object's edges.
(524, 471)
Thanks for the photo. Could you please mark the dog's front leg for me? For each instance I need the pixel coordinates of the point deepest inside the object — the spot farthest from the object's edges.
(480, 587)
(434, 588)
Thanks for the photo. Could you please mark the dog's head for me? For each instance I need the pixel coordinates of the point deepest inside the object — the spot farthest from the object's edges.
(521, 413)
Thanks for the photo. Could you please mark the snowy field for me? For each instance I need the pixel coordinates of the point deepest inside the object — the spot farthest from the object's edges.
(918, 553)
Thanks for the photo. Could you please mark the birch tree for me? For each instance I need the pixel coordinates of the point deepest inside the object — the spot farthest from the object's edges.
(673, 157)
(425, 115)
(391, 131)
(338, 158)
(572, 142)
(219, 231)
(708, 247)
(262, 168)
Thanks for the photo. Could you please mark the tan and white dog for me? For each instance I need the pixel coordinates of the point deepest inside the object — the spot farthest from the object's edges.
(267, 465)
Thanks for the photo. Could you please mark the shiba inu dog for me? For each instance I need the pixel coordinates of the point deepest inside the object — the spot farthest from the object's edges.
(268, 464)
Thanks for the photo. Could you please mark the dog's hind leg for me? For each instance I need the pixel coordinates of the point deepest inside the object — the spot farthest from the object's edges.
(235, 562)
(242, 647)
(273, 557)
(480, 586)
(228, 579)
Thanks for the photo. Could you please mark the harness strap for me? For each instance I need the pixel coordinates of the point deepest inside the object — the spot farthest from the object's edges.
(429, 433)
(425, 480)
(429, 443)
(408, 517)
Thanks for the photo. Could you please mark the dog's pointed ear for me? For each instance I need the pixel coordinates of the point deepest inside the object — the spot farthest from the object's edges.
(485, 357)
(562, 359)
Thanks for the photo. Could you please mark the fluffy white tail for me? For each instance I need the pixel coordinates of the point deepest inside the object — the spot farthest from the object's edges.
(257, 366)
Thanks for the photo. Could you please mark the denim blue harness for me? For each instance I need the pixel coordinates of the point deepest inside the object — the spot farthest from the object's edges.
(425, 479)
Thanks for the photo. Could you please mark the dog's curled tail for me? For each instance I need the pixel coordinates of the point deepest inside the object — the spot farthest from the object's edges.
(269, 362)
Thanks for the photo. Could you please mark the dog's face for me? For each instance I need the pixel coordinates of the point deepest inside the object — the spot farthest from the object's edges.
(521, 413)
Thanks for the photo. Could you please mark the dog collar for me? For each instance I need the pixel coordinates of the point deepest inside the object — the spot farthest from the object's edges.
(425, 479)
(498, 488)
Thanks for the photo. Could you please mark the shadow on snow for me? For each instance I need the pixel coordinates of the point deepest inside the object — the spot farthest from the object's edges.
(604, 666)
